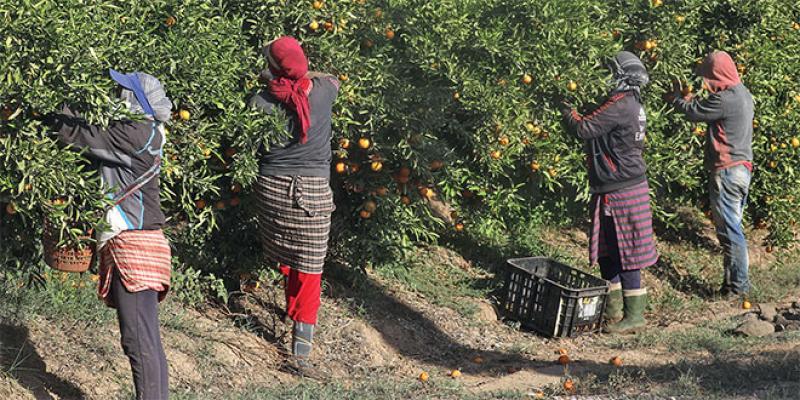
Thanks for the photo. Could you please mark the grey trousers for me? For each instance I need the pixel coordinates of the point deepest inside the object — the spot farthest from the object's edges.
(141, 340)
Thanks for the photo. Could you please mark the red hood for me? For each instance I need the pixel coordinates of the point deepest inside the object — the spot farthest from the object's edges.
(719, 71)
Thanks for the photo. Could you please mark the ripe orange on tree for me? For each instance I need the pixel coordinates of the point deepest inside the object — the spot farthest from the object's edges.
(535, 167)
(795, 142)
(503, 140)
(355, 167)
(616, 361)
(426, 192)
(313, 25)
(365, 214)
(170, 21)
(234, 201)
(219, 205)
(405, 200)
(341, 167)
(563, 359)
(317, 5)
(382, 191)
(328, 25)
(436, 165)
(572, 86)
(527, 79)
(200, 204)
(459, 226)
(11, 209)
(370, 206)
(569, 385)
(230, 152)
(184, 114)
(496, 154)
(389, 33)
(364, 143)
(376, 166)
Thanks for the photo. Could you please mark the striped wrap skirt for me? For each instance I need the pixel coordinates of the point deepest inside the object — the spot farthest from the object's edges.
(294, 220)
(633, 224)
(143, 260)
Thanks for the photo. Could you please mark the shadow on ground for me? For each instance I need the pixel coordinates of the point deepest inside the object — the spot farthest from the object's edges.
(20, 360)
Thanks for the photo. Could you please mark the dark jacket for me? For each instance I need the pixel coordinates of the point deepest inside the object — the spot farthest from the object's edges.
(125, 150)
(614, 142)
(292, 158)
(729, 115)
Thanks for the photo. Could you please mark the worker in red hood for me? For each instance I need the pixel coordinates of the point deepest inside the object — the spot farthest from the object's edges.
(728, 111)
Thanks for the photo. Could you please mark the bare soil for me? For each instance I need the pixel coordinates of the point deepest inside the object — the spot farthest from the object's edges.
(370, 328)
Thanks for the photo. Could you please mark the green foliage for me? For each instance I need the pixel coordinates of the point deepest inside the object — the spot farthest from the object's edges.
(193, 288)
(429, 83)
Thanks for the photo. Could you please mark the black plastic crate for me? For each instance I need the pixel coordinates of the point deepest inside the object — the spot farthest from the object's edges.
(553, 299)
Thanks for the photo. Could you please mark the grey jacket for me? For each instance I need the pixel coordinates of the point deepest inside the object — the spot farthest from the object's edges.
(729, 114)
(125, 151)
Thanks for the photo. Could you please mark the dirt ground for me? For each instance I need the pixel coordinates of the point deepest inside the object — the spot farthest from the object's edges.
(374, 327)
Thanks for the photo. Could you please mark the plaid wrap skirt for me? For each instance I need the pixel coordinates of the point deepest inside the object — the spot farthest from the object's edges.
(633, 223)
(143, 260)
(294, 220)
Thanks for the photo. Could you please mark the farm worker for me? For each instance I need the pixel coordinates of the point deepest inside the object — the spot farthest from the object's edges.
(135, 256)
(728, 110)
(622, 239)
(295, 201)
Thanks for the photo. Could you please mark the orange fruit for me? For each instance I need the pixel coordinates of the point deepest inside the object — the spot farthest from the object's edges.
(184, 114)
(453, 214)
(657, 3)
(376, 166)
(496, 154)
(426, 192)
(382, 191)
(455, 374)
(365, 214)
(378, 12)
(503, 141)
(344, 78)
(773, 164)
(314, 25)
(795, 142)
(370, 206)
(28, 187)
(699, 131)
(459, 226)
(328, 25)
(616, 361)
(230, 152)
(58, 202)
(569, 385)
(680, 19)
(436, 165)
(235, 201)
(170, 21)
(404, 171)
(405, 200)
(200, 204)
(746, 305)
(535, 166)
(317, 5)
(650, 44)
(236, 188)
(687, 90)
(456, 95)
(563, 359)
(341, 167)
(562, 351)
(389, 33)
(796, 26)
(368, 43)
(220, 205)
(94, 277)
(423, 376)
(467, 194)
(552, 172)
(477, 360)
(355, 167)
(538, 394)
(616, 34)
(572, 86)
(344, 143)
(364, 143)
(11, 209)
(527, 79)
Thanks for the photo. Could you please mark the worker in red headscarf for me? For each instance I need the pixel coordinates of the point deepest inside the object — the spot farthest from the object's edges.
(728, 111)
(295, 200)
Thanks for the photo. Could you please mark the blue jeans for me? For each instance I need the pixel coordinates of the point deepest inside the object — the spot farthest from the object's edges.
(728, 189)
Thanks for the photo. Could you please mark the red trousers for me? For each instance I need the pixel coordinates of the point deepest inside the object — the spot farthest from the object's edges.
(302, 295)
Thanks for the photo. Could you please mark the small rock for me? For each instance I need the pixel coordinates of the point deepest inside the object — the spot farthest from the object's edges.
(755, 329)
(793, 327)
(751, 316)
(781, 320)
(796, 305)
(780, 328)
(486, 312)
(768, 312)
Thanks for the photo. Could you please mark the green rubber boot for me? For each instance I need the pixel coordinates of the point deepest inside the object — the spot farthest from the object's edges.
(635, 301)
(614, 304)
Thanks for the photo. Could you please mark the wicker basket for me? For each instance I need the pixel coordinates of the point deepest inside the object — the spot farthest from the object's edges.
(67, 259)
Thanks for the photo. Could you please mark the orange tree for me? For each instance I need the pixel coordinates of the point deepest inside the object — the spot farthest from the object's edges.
(441, 102)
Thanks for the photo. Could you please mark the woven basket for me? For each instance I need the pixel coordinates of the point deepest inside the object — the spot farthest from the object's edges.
(69, 258)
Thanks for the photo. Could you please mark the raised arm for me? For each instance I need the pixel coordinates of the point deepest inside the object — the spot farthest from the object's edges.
(707, 110)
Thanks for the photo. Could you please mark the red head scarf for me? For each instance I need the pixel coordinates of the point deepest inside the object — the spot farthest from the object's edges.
(289, 65)
(719, 71)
